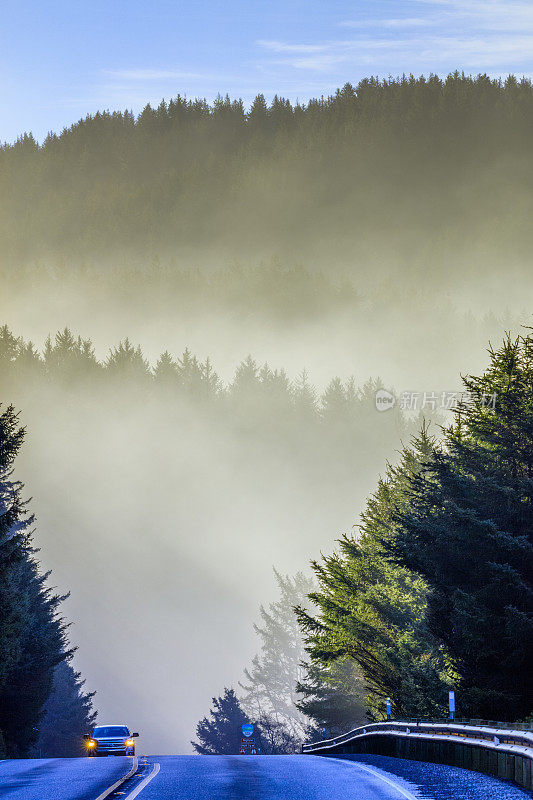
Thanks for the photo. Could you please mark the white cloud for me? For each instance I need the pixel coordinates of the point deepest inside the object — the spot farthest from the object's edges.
(152, 75)
(478, 35)
(285, 47)
(400, 22)
(472, 52)
(489, 15)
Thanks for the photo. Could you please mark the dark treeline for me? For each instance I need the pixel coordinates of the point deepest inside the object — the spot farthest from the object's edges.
(69, 362)
(328, 436)
(33, 645)
(67, 715)
(410, 167)
(220, 733)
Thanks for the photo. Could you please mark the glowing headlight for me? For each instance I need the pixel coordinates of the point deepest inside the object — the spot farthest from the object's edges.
(129, 742)
(91, 743)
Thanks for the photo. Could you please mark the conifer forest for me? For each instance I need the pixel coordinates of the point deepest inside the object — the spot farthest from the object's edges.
(266, 416)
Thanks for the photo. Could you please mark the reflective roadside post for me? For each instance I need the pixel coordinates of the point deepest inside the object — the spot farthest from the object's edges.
(451, 704)
(388, 708)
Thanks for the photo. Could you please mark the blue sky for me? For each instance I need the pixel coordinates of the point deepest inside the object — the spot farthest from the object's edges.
(61, 59)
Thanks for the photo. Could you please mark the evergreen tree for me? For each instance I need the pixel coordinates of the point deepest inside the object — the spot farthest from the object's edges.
(69, 358)
(334, 402)
(281, 112)
(333, 697)
(374, 612)
(32, 635)
(67, 715)
(9, 354)
(258, 115)
(246, 380)
(274, 737)
(9, 346)
(468, 533)
(41, 646)
(221, 732)
(188, 368)
(127, 362)
(198, 380)
(304, 397)
(166, 371)
(271, 682)
(15, 522)
(211, 383)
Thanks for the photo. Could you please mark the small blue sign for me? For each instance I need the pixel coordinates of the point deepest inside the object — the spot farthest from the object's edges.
(247, 729)
(451, 703)
(388, 708)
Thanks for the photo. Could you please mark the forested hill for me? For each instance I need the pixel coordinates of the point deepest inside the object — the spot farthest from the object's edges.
(409, 170)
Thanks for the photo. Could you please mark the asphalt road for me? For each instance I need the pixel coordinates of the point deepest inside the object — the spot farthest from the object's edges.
(248, 778)
(200, 778)
(269, 778)
(318, 778)
(60, 778)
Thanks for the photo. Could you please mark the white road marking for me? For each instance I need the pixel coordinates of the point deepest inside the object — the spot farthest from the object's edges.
(143, 783)
(404, 792)
(120, 781)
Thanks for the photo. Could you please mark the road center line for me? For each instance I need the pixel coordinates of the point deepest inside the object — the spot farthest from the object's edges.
(144, 782)
(120, 781)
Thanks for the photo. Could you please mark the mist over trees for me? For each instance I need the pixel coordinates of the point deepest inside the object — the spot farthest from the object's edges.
(382, 231)
(406, 171)
(270, 683)
(288, 701)
(227, 466)
(394, 614)
(370, 212)
(259, 401)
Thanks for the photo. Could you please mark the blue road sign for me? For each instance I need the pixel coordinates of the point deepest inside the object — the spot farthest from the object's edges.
(247, 729)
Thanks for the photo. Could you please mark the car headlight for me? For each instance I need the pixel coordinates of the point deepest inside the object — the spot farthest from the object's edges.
(129, 742)
(91, 743)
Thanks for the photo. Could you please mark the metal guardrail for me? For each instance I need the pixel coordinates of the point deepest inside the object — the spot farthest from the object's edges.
(506, 752)
(486, 732)
(490, 723)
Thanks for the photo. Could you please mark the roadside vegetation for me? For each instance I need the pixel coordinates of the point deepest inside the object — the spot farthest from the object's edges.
(434, 590)
(34, 650)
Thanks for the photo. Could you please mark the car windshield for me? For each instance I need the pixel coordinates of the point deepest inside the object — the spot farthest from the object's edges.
(110, 730)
